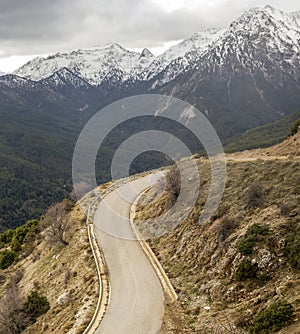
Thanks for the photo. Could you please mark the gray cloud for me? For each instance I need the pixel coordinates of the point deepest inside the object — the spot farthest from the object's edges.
(43, 26)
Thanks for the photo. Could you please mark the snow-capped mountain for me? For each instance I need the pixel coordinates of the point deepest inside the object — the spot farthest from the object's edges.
(247, 74)
(179, 53)
(14, 81)
(263, 40)
(260, 31)
(64, 77)
(250, 75)
(92, 65)
(267, 29)
(113, 64)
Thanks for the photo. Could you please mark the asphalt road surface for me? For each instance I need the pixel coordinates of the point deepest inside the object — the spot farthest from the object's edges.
(137, 301)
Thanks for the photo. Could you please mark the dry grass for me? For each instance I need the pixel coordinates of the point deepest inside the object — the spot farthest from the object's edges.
(202, 260)
(55, 269)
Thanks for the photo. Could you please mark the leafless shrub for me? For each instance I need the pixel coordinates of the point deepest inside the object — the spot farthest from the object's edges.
(225, 227)
(68, 275)
(2, 278)
(13, 320)
(254, 196)
(57, 222)
(79, 190)
(173, 182)
(18, 276)
(36, 256)
(36, 285)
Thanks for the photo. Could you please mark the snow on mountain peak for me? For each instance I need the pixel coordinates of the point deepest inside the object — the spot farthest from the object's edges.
(180, 53)
(146, 53)
(91, 64)
(258, 28)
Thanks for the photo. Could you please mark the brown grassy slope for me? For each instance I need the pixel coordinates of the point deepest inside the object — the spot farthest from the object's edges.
(202, 260)
(54, 269)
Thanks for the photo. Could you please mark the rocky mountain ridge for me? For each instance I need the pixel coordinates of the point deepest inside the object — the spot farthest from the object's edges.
(212, 49)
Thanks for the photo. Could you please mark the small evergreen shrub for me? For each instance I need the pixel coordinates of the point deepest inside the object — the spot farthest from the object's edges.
(7, 258)
(294, 128)
(6, 237)
(246, 270)
(257, 229)
(245, 246)
(21, 232)
(272, 318)
(253, 234)
(16, 240)
(36, 305)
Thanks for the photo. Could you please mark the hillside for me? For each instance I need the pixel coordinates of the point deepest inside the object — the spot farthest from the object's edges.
(36, 147)
(228, 271)
(48, 267)
(263, 136)
(289, 148)
(241, 77)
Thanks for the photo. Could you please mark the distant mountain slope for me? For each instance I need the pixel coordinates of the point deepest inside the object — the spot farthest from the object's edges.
(251, 75)
(263, 136)
(241, 77)
(35, 153)
(92, 65)
(290, 147)
(40, 125)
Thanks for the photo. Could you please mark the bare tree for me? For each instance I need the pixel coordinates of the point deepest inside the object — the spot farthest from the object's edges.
(13, 320)
(57, 222)
(173, 182)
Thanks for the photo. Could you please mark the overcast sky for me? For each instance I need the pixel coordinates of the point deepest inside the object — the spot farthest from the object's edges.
(40, 27)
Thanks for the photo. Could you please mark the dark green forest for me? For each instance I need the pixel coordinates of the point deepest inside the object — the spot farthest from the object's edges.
(38, 133)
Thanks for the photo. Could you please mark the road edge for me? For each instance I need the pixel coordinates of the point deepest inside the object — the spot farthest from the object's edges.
(160, 272)
(103, 279)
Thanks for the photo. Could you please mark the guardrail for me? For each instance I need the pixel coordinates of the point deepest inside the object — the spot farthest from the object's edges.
(95, 248)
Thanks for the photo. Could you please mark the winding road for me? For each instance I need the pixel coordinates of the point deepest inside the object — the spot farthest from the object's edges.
(137, 300)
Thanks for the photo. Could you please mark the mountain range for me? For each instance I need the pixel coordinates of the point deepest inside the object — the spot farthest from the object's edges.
(241, 77)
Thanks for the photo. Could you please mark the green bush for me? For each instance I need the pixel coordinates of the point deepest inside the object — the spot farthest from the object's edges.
(36, 305)
(246, 270)
(294, 128)
(272, 318)
(245, 246)
(257, 229)
(7, 258)
(21, 232)
(6, 237)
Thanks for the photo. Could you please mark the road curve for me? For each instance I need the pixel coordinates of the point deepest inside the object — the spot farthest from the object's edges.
(137, 301)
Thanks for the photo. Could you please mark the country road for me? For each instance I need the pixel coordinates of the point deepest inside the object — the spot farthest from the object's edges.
(137, 301)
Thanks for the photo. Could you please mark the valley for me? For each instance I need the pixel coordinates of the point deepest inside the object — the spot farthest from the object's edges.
(130, 255)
